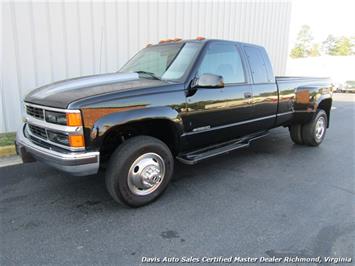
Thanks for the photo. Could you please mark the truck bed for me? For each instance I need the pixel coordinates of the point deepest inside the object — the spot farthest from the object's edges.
(300, 96)
(300, 79)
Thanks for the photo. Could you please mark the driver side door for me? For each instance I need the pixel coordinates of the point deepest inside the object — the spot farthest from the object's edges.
(218, 114)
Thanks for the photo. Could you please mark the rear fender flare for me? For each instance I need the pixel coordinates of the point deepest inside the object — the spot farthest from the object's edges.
(322, 98)
(307, 102)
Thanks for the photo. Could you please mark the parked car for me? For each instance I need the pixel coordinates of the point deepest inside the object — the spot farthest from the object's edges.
(337, 87)
(349, 86)
(185, 99)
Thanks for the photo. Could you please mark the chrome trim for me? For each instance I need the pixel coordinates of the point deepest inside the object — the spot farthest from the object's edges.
(44, 124)
(146, 174)
(285, 113)
(25, 110)
(305, 111)
(75, 163)
(67, 130)
(320, 128)
(229, 125)
(52, 108)
(28, 130)
(201, 128)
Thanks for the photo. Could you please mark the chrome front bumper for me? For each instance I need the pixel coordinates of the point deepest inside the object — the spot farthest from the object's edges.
(76, 163)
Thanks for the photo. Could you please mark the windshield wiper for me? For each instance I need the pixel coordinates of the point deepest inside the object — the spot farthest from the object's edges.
(148, 73)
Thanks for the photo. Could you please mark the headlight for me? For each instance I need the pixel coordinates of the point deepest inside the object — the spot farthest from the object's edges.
(56, 118)
(66, 138)
(74, 141)
(58, 138)
(66, 119)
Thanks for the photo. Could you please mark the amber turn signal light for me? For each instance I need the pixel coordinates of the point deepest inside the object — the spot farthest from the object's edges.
(73, 119)
(76, 141)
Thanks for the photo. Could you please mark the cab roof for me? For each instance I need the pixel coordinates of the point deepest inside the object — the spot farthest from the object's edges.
(197, 40)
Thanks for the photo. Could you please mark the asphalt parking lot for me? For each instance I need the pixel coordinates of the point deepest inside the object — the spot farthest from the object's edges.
(273, 199)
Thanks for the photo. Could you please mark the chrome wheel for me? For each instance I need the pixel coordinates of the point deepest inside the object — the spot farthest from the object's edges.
(146, 174)
(320, 128)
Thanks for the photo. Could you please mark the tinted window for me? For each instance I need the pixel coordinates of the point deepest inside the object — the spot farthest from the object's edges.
(257, 64)
(155, 59)
(182, 61)
(223, 60)
(168, 62)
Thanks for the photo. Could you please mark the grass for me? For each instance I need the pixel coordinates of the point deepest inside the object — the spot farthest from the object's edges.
(7, 139)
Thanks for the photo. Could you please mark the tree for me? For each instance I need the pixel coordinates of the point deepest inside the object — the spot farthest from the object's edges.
(352, 40)
(338, 46)
(297, 52)
(328, 45)
(304, 46)
(314, 50)
(343, 46)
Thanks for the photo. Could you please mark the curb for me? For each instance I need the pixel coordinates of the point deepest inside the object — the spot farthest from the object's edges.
(10, 160)
(7, 150)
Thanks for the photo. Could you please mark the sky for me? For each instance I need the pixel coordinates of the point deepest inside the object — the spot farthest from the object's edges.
(325, 17)
(336, 17)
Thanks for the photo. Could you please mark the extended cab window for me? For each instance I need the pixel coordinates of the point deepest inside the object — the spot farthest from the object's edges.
(223, 60)
(258, 65)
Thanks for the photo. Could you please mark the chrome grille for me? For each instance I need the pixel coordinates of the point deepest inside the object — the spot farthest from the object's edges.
(35, 112)
(38, 131)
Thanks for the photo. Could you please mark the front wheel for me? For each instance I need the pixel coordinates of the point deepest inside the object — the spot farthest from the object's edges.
(139, 171)
(313, 132)
(296, 133)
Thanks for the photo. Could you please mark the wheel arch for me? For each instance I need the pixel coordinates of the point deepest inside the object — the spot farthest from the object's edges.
(326, 105)
(162, 123)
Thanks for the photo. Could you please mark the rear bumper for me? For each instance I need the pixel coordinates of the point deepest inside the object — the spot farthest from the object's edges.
(75, 163)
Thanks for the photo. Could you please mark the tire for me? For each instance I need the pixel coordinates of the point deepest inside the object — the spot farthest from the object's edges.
(313, 132)
(296, 134)
(139, 171)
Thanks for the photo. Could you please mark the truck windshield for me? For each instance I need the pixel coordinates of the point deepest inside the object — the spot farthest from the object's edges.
(166, 62)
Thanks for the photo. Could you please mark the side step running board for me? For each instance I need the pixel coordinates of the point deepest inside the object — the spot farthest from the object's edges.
(202, 154)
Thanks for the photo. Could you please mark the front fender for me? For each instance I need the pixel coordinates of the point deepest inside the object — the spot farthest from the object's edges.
(102, 126)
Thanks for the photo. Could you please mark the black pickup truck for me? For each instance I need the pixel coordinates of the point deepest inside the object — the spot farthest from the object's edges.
(180, 99)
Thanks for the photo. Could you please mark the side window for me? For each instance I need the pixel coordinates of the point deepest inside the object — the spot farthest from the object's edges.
(257, 64)
(223, 60)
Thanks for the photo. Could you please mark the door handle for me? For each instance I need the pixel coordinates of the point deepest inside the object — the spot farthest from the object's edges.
(248, 95)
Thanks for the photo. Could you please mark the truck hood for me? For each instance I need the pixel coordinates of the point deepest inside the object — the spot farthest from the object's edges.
(60, 94)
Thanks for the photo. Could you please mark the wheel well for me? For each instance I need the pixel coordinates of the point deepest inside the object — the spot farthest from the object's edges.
(161, 129)
(326, 105)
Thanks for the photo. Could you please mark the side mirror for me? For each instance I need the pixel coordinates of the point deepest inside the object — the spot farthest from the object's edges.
(209, 81)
